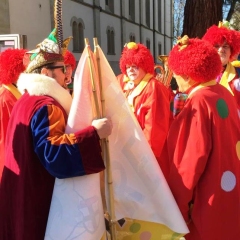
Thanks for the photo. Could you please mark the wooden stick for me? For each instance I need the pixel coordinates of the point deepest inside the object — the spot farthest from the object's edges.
(102, 98)
(98, 112)
(106, 155)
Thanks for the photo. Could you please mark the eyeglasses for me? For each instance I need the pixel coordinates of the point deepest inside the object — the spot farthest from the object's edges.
(64, 70)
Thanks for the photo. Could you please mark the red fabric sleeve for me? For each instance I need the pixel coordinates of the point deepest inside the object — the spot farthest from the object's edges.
(91, 156)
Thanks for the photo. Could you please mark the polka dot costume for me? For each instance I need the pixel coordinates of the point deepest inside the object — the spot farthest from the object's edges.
(222, 108)
(131, 229)
(204, 151)
(228, 181)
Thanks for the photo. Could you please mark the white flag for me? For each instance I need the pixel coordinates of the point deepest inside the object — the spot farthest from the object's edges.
(76, 209)
(140, 189)
(143, 202)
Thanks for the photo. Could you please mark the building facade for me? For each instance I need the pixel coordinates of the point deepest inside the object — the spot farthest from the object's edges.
(112, 22)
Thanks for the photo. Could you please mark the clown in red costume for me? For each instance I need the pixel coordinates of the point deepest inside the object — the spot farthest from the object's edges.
(226, 41)
(11, 65)
(148, 98)
(204, 145)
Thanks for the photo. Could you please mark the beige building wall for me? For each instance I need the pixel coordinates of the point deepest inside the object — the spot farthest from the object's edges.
(34, 19)
(4, 17)
(30, 18)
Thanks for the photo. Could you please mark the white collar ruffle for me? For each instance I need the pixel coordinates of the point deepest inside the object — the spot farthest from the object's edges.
(40, 85)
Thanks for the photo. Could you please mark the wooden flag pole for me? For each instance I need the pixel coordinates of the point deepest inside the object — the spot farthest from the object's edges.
(104, 144)
(98, 112)
(95, 43)
(112, 218)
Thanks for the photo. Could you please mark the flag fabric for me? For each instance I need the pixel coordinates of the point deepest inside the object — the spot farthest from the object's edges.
(144, 207)
(76, 210)
(143, 202)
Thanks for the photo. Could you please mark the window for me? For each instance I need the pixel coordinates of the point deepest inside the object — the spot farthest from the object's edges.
(78, 34)
(148, 13)
(132, 10)
(132, 37)
(75, 36)
(159, 16)
(159, 49)
(148, 44)
(81, 37)
(110, 41)
(109, 5)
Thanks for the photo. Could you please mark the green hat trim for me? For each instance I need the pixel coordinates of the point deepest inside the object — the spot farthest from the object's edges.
(52, 35)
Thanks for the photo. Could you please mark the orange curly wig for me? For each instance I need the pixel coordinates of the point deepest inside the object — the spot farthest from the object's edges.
(197, 59)
(70, 59)
(137, 54)
(218, 35)
(11, 65)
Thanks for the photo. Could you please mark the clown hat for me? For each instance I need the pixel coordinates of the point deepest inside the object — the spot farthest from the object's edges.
(196, 59)
(137, 54)
(11, 65)
(222, 33)
(51, 49)
(70, 59)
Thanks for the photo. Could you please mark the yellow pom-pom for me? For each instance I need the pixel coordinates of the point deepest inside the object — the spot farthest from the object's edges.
(183, 42)
(224, 23)
(220, 24)
(236, 63)
(132, 45)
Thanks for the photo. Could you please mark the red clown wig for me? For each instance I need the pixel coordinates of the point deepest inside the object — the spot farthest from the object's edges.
(11, 65)
(70, 59)
(196, 59)
(137, 54)
(220, 34)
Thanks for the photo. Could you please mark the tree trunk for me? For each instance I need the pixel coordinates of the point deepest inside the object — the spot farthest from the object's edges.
(199, 15)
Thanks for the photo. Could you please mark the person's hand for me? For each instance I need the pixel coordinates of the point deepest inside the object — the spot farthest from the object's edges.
(103, 127)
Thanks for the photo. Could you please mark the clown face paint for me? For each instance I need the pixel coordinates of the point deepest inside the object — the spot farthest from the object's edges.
(135, 73)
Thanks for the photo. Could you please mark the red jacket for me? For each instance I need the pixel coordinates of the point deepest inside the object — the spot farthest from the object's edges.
(204, 150)
(151, 106)
(37, 151)
(7, 101)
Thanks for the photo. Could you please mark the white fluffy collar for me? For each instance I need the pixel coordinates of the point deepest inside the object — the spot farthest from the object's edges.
(39, 85)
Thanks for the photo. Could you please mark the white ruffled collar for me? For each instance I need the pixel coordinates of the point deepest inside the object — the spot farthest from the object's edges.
(39, 85)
